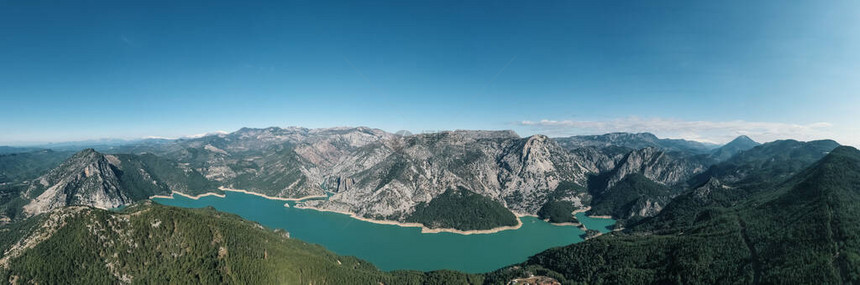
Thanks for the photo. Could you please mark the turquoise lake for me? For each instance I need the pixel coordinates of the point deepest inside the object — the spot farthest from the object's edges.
(391, 247)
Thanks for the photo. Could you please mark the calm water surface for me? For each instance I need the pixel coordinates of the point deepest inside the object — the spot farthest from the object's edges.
(391, 247)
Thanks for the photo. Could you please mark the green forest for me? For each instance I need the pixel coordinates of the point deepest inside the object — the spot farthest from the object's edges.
(804, 231)
(150, 243)
(463, 210)
(557, 212)
(801, 226)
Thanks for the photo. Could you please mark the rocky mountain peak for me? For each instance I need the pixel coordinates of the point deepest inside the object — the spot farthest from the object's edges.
(87, 178)
(743, 139)
(702, 193)
(87, 153)
(741, 143)
(667, 168)
(535, 148)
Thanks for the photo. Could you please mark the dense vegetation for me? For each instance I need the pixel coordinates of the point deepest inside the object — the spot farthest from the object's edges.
(283, 169)
(149, 243)
(734, 181)
(782, 212)
(768, 163)
(557, 212)
(16, 167)
(463, 210)
(138, 171)
(11, 201)
(804, 231)
(13, 232)
(628, 195)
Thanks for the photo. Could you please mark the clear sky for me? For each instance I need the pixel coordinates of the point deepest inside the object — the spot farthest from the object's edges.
(704, 70)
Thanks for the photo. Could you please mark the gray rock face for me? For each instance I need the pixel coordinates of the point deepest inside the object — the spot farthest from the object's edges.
(702, 194)
(282, 162)
(660, 166)
(371, 172)
(649, 208)
(377, 174)
(106, 181)
(643, 182)
(84, 179)
(519, 172)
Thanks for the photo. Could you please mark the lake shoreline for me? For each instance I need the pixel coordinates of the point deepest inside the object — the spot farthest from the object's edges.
(271, 197)
(600, 217)
(235, 190)
(396, 246)
(565, 224)
(588, 208)
(187, 195)
(424, 229)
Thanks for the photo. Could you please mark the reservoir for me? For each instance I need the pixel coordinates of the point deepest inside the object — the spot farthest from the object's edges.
(392, 247)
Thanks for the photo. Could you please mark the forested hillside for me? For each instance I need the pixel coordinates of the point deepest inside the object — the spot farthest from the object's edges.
(803, 231)
(149, 243)
(463, 210)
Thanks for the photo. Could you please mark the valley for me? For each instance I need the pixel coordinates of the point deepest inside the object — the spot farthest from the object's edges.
(481, 207)
(429, 142)
(391, 246)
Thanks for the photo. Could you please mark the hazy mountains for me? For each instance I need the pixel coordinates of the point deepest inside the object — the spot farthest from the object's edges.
(636, 141)
(735, 146)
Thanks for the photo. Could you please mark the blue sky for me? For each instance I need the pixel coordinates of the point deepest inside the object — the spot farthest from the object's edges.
(704, 70)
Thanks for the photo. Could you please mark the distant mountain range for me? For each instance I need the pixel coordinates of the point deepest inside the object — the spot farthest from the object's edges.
(636, 141)
(381, 175)
(779, 212)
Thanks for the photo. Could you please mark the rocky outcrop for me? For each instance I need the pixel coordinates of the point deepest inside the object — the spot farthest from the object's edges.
(282, 162)
(703, 193)
(377, 174)
(107, 181)
(84, 179)
(519, 172)
(660, 166)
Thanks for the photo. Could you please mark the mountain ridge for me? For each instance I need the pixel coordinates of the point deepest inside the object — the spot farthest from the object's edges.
(684, 217)
(109, 181)
(379, 175)
(800, 231)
